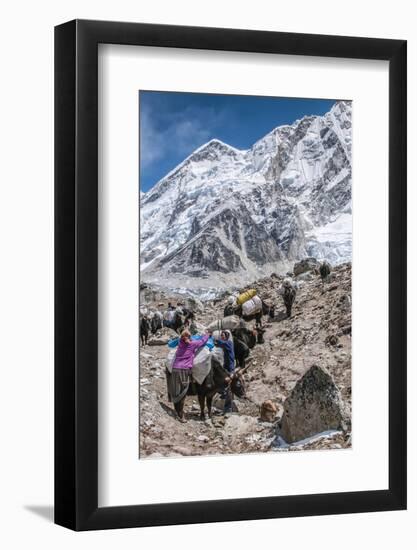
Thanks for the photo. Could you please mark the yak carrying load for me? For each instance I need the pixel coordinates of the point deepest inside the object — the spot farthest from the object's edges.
(201, 361)
(249, 307)
(207, 376)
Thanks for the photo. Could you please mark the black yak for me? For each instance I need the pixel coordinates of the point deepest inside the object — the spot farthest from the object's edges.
(244, 340)
(144, 330)
(215, 382)
(156, 322)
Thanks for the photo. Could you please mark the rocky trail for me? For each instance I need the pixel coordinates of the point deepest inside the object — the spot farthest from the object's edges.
(317, 334)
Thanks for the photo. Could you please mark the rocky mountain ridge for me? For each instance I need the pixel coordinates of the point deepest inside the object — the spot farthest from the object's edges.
(226, 216)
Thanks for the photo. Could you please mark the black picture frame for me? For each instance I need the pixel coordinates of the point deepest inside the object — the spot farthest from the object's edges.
(76, 272)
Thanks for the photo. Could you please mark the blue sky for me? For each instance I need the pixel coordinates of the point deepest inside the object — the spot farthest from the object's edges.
(174, 124)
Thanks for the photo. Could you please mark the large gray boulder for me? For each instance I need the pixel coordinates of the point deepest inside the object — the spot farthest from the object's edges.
(307, 264)
(314, 405)
(162, 341)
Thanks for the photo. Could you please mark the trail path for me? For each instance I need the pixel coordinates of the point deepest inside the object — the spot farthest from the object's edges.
(319, 332)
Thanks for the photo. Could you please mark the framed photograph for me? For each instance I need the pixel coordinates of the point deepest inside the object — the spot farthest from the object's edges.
(230, 255)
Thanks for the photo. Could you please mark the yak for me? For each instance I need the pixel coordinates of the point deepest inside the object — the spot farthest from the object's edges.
(156, 322)
(266, 310)
(244, 340)
(144, 330)
(215, 382)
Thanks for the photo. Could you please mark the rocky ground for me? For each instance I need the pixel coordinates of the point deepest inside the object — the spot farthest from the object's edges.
(318, 333)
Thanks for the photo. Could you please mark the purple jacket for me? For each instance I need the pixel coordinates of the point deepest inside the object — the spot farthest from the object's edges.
(185, 352)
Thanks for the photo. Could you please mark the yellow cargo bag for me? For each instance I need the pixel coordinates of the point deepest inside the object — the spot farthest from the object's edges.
(245, 296)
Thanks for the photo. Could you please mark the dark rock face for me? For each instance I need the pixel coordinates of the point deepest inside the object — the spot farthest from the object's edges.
(314, 406)
(207, 251)
(211, 253)
(204, 253)
(195, 227)
(214, 150)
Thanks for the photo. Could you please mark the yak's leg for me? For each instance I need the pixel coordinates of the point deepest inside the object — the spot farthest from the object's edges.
(228, 402)
(243, 358)
(182, 403)
(260, 336)
(209, 402)
(201, 400)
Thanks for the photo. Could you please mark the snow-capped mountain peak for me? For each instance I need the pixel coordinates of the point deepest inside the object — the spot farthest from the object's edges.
(228, 215)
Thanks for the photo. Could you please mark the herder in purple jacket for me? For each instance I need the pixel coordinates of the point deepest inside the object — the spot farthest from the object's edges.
(178, 380)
